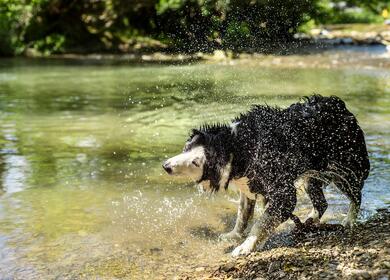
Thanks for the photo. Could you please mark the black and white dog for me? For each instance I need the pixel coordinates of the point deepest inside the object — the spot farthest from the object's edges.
(266, 150)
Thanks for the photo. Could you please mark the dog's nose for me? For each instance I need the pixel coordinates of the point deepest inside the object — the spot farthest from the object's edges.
(167, 167)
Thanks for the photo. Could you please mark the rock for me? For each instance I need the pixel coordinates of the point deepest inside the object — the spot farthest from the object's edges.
(386, 264)
(199, 269)
(365, 275)
(227, 266)
(155, 250)
(274, 266)
(82, 233)
(219, 55)
(323, 274)
(353, 273)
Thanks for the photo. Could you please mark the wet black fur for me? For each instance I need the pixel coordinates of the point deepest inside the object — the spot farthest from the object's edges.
(274, 146)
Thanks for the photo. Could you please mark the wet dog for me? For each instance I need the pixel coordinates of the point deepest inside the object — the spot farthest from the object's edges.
(265, 151)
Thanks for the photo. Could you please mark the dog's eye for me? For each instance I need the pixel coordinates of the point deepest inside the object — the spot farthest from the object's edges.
(194, 162)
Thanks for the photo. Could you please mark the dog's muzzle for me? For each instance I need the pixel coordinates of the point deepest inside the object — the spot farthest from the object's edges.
(167, 167)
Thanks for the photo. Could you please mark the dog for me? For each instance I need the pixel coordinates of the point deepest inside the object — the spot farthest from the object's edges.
(267, 150)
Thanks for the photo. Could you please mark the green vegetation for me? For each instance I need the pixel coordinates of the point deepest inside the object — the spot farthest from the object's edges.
(177, 25)
(351, 11)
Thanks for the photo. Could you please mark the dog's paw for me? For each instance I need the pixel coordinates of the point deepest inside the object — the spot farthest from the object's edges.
(231, 236)
(348, 223)
(246, 247)
(313, 217)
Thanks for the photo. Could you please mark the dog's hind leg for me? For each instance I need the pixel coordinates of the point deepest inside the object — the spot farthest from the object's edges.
(354, 206)
(353, 212)
(349, 179)
(315, 192)
(244, 214)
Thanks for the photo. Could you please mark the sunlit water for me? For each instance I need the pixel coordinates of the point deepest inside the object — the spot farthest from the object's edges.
(82, 191)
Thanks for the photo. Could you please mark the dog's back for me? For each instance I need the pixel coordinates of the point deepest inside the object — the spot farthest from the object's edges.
(333, 133)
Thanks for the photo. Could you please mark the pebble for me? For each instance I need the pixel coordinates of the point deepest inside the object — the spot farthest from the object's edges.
(155, 250)
(199, 269)
(351, 255)
(227, 267)
(386, 264)
(323, 274)
(274, 266)
(365, 275)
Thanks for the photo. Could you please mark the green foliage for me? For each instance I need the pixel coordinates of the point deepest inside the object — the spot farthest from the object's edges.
(353, 17)
(354, 11)
(307, 26)
(14, 17)
(237, 24)
(373, 6)
(54, 26)
(51, 43)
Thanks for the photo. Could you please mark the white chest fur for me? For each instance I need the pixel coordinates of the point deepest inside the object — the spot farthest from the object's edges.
(242, 185)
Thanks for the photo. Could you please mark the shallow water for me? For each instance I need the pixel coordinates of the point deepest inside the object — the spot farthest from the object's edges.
(82, 191)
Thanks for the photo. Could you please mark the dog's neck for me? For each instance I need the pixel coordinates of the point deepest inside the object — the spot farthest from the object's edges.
(232, 147)
(227, 139)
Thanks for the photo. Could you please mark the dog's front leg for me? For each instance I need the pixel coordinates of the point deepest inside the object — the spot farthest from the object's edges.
(278, 211)
(244, 214)
(259, 233)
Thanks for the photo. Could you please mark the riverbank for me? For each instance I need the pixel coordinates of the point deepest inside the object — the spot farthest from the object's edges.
(363, 253)
(316, 40)
(320, 57)
(349, 34)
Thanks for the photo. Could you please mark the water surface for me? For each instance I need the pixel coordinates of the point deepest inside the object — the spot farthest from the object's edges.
(82, 191)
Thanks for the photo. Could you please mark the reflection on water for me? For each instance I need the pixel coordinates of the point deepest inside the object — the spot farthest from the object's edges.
(82, 192)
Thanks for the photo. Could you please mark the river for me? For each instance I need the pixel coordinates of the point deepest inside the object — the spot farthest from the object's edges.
(82, 191)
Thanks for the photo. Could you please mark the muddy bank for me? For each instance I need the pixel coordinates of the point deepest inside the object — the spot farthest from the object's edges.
(326, 253)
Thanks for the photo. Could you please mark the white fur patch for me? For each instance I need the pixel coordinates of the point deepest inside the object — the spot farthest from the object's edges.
(314, 215)
(301, 183)
(246, 247)
(233, 127)
(183, 164)
(350, 220)
(242, 185)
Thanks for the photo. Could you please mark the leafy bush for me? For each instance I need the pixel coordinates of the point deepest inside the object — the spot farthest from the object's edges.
(351, 11)
(14, 17)
(353, 17)
(53, 26)
(237, 24)
(51, 43)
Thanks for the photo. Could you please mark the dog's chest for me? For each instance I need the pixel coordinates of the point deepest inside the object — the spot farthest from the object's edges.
(242, 184)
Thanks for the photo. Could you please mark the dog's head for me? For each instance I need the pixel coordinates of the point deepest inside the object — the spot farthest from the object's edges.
(206, 158)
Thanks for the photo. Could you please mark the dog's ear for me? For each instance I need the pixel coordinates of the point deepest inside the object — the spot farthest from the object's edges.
(195, 132)
(198, 135)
